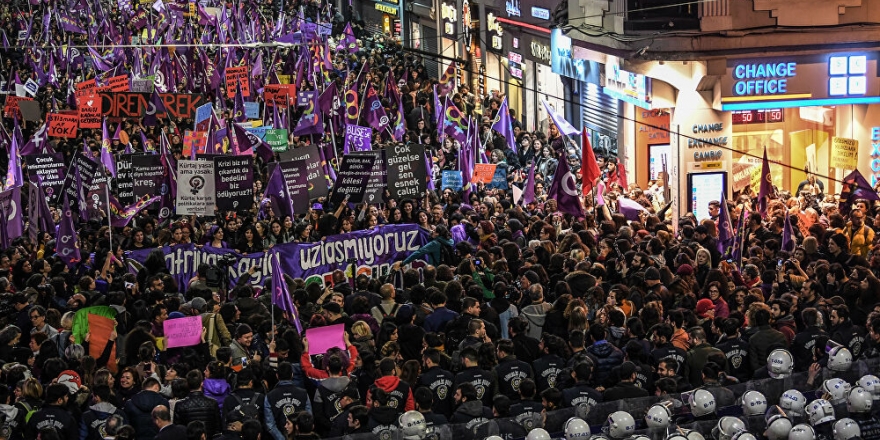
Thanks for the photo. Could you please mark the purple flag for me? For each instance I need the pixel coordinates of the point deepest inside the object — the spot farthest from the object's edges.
(736, 253)
(348, 41)
(280, 293)
(67, 246)
(375, 113)
(503, 125)
(529, 190)
(393, 95)
(456, 124)
(329, 104)
(106, 155)
(560, 122)
(10, 214)
(628, 207)
(447, 80)
(565, 190)
(238, 113)
(855, 187)
(766, 190)
(39, 215)
(351, 105)
(328, 166)
(726, 236)
(13, 171)
(311, 121)
(278, 192)
(429, 171)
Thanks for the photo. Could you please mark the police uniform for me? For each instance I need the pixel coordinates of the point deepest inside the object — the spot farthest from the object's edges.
(481, 379)
(736, 351)
(582, 397)
(510, 372)
(440, 382)
(284, 400)
(527, 413)
(547, 368)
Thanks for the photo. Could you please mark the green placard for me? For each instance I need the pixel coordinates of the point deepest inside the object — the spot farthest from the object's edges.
(277, 138)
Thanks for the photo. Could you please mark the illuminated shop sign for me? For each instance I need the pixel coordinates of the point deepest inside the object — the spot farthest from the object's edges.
(495, 33)
(449, 19)
(810, 80)
(875, 155)
(542, 13)
(627, 86)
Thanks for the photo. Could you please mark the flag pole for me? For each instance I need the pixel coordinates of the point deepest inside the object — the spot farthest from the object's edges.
(109, 220)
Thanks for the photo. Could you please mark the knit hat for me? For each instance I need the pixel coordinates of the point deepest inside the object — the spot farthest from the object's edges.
(685, 270)
(703, 306)
(198, 303)
(175, 315)
(652, 274)
(332, 307)
(840, 241)
(71, 380)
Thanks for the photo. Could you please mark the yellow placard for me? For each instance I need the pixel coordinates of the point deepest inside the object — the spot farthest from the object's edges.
(386, 9)
(844, 153)
(284, 79)
(712, 165)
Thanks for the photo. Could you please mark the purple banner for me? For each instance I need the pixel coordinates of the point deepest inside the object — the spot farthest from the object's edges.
(51, 171)
(234, 182)
(374, 252)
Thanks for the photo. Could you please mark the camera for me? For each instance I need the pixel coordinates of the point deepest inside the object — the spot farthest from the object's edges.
(226, 260)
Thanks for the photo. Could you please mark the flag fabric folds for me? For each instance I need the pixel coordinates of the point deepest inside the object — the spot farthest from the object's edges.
(281, 294)
(589, 167)
(504, 125)
(560, 122)
(564, 190)
(766, 189)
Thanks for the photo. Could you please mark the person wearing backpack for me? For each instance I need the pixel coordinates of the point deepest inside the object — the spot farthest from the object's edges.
(31, 401)
(388, 307)
(437, 251)
(244, 398)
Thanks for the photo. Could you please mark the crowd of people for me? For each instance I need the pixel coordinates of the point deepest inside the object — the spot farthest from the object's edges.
(524, 321)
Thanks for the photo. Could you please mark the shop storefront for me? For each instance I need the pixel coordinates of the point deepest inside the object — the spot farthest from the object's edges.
(817, 113)
(383, 16)
(450, 20)
(422, 25)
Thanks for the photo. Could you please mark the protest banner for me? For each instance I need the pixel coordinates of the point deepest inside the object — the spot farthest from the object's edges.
(62, 125)
(11, 109)
(451, 180)
(203, 115)
(844, 153)
(279, 94)
(317, 181)
(484, 172)
(252, 110)
(406, 171)
(100, 328)
(234, 182)
(30, 110)
(358, 138)
(31, 87)
(296, 177)
(195, 187)
(116, 84)
(277, 139)
(177, 105)
(123, 105)
(89, 107)
(140, 85)
(76, 191)
(148, 175)
(235, 77)
(499, 179)
(303, 98)
(378, 177)
(125, 179)
(373, 251)
(183, 332)
(322, 339)
(50, 170)
(352, 178)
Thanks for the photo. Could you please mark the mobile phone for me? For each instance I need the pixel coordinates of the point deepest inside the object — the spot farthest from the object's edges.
(478, 262)
(244, 361)
(148, 367)
(779, 263)
(129, 285)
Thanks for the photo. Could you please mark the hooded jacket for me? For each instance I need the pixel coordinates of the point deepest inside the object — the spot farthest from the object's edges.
(432, 250)
(13, 423)
(787, 326)
(95, 418)
(216, 389)
(397, 390)
(608, 356)
(473, 413)
(536, 314)
(139, 411)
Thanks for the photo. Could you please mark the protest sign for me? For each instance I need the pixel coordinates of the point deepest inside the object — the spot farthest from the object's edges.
(11, 109)
(483, 173)
(406, 171)
(77, 190)
(499, 179)
(235, 77)
(195, 187)
(303, 98)
(117, 84)
(451, 180)
(324, 338)
(88, 105)
(252, 110)
(279, 94)
(142, 85)
(197, 140)
(317, 180)
(123, 105)
(844, 153)
(62, 125)
(183, 332)
(124, 179)
(203, 114)
(100, 329)
(378, 177)
(31, 87)
(296, 177)
(30, 110)
(354, 174)
(234, 182)
(50, 170)
(148, 175)
(277, 139)
(358, 138)
(373, 251)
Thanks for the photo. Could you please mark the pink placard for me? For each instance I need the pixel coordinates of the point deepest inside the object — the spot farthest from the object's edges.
(183, 332)
(324, 338)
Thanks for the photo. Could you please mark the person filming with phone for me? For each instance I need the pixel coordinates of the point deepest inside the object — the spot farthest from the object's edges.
(241, 346)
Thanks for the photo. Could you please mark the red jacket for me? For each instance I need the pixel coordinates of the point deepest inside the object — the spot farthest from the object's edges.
(314, 373)
(390, 384)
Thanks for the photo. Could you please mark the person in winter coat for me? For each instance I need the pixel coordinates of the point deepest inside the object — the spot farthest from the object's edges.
(197, 406)
(54, 415)
(764, 340)
(782, 318)
(469, 409)
(605, 352)
(329, 393)
(433, 250)
(536, 312)
(215, 385)
(139, 408)
(698, 356)
(399, 392)
(98, 413)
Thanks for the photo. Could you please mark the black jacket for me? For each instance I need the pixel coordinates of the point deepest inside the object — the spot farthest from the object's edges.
(139, 411)
(526, 348)
(96, 417)
(546, 369)
(850, 336)
(509, 373)
(472, 414)
(527, 413)
(196, 406)
(53, 417)
(482, 380)
(440, 382)
(803, 344)
(736, 351)
(581, 393)
(623, 390)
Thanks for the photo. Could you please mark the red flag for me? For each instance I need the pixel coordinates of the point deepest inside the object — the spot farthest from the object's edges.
(621, 174)
(589, 168)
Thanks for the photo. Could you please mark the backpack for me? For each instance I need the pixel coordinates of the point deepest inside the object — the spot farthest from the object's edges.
(391, 314)
(447, 255)
(30, 411)
(249, 408)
